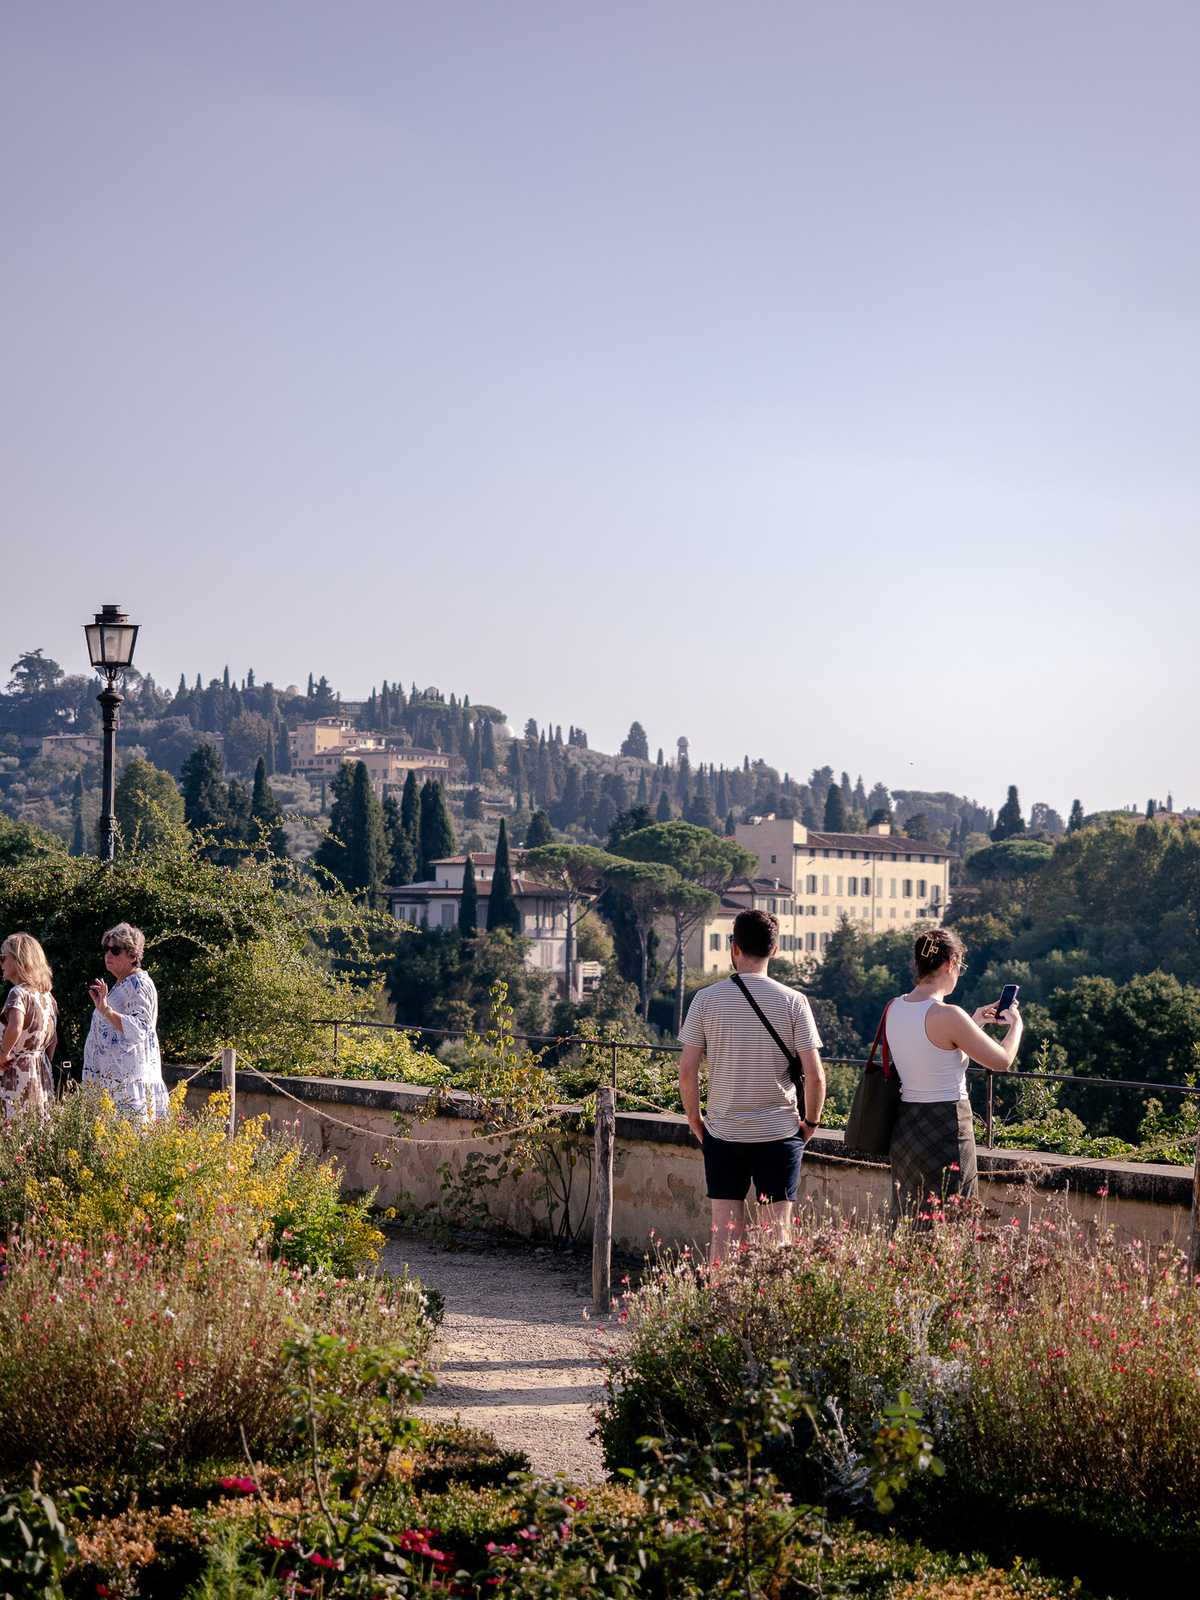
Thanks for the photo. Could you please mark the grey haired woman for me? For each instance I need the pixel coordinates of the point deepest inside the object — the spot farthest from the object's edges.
(121, 1055)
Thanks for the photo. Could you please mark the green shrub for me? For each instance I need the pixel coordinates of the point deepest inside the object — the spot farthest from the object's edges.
(130, 1355)
(83, 1171)
(1055, 1370)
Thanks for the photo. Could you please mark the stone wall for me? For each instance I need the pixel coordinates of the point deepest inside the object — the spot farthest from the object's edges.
(659, 1174)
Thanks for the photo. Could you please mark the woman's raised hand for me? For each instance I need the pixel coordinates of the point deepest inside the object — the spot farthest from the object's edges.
(985, 1014)
(98, 993)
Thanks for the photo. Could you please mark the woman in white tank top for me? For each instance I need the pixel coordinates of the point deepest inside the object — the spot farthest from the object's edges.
(933, 1146)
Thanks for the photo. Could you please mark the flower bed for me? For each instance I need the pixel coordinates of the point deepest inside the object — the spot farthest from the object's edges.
(1059, 1374)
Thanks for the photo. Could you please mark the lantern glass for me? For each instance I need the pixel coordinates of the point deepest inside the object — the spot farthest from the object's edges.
(111, 639)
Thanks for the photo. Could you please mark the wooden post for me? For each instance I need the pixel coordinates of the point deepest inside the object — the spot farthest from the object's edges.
(606, 1128)
(1194, 1246)
(229, 1084)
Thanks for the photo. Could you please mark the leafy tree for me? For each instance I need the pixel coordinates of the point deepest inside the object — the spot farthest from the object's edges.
(645, 892)
(1011, 858)
(539, 831)
(468, 906)
(919, 826)
(441, 980)
(21, 843)
(205, 796)
(835, 810)
(149, 806)
(1044, 819)
(1009, 820)
(436, 830)
(503, 911)
(473, 805)
(33, 672)
(265, 812)
(248, 738)
(1075, 820)
(238, 953)
(577, 871)
(704, 861)
(635, 743)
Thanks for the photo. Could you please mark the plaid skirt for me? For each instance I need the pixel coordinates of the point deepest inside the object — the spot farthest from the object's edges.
(933, 1154)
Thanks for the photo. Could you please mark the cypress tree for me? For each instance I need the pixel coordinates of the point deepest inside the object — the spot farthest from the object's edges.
(410, 828)
(1075, 820)
(468, 906)
(540, 831)
(503, 911)
(283, 752)
(835, 810)
(1009, 820)
(205, 798)
(683, 783)
(265, 811)
(569, 808)
(643, 793)
(366, 848)
(487, 757)
(663, 811)
(331, 853)
(78, 832)
(436, 829)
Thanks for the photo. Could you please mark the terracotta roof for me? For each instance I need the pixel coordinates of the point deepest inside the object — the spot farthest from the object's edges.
(887, 844)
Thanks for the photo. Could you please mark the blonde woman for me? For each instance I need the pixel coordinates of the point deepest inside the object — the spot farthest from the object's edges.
(121, 1055)
(30, 1019)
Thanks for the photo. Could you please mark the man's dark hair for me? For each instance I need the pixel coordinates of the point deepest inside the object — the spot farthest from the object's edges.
(756, 934)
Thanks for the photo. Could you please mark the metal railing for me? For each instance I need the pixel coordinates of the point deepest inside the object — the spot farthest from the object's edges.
(615, 1046)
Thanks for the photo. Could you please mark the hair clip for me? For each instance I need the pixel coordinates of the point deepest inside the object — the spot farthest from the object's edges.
(931, 946)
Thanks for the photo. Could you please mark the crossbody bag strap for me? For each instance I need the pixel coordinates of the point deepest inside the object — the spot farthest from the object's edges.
(793, 1060)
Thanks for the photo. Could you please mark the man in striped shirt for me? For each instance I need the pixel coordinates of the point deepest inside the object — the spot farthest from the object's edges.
(752, 1129)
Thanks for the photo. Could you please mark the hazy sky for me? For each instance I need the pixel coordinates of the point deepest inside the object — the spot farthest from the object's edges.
(816, 381)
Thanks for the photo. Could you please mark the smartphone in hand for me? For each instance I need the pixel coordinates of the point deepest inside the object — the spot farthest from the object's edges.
(1007, 995)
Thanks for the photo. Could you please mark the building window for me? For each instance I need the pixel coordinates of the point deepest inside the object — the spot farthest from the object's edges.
(825, 937)
(907, 891)
(840, 890)
(892, 890)
(714, 941)
(729, 941)
(879, 887)
(921, 888)
(851, 885)
(824, 883)
(810, 883)
(810, 941)
(812, 911)
(773, 858)
(935, 893)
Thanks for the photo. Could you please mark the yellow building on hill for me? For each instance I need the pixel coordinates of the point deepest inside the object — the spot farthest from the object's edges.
(809, 880)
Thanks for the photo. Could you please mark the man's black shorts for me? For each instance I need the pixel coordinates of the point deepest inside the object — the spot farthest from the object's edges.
(772, 1164)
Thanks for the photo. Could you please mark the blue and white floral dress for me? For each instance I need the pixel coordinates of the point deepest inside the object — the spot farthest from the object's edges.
(127, 1064)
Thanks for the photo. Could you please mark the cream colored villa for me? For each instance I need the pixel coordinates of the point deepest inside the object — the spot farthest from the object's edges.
(808, 880)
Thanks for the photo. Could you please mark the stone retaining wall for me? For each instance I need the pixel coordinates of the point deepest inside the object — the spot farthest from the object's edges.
(659, 1174)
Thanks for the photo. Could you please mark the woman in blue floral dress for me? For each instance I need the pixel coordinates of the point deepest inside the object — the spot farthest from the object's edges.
(121, 1055)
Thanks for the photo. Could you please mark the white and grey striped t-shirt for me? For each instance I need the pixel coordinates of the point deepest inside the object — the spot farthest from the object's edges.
(750, 1095)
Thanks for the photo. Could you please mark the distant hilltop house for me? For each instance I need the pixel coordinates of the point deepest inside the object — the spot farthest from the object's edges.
(320, 749)
(809, 880)
(55, 745)
(435, 903)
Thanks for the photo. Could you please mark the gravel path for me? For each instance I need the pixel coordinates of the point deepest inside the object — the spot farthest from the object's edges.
(516, 1354)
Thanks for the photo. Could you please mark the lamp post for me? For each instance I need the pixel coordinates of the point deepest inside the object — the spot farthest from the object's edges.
(110, 642)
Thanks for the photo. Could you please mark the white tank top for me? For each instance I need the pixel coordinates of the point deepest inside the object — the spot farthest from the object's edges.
(927, 1072)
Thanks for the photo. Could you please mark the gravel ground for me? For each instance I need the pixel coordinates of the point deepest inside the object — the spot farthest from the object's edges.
(516, 1354)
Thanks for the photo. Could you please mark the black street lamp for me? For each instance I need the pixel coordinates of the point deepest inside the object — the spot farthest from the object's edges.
(110, 642)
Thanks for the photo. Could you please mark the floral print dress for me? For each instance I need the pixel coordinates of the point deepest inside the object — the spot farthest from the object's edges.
(25, 1081)
(126, 1064)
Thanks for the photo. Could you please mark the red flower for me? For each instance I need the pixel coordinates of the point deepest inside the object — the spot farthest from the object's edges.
(240, 1485)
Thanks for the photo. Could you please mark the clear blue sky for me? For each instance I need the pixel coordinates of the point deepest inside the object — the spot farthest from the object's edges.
(816, 381)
